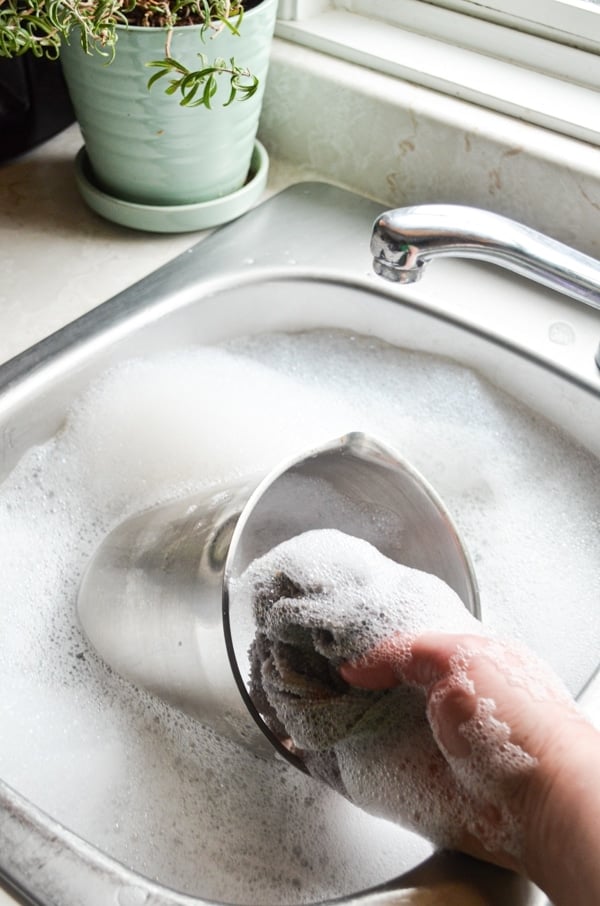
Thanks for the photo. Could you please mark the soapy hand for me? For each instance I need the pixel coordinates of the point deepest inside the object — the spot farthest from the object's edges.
(515, 744)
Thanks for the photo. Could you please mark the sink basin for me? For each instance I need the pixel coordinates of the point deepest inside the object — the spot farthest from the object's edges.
(296, 265)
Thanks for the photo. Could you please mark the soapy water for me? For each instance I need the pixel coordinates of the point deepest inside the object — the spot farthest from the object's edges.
(321, 598)
(325, 598)
(141, 780)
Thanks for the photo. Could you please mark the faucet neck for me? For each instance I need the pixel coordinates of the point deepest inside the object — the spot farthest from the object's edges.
(406, 239)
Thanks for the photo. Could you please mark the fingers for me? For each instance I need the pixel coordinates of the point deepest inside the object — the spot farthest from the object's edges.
(501, 720)
(402, 658)
(439, 663)
(369, 674)
(449, 708)
(432, 656)
(522, 700)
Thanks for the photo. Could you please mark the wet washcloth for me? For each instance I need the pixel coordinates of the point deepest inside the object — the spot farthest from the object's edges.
(323, 598)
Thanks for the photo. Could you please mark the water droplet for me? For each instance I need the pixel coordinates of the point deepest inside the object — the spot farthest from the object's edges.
(131, 896)
(561, 333)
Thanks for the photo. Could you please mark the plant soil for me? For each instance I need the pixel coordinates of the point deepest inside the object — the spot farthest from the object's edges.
(153, 14)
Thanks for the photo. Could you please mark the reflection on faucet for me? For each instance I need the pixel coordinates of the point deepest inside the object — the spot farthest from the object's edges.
(405, 239)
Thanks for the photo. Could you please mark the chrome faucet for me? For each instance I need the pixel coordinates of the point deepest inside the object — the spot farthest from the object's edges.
(406, 239)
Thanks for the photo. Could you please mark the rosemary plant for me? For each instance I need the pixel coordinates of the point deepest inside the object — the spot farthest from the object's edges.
(41, 26)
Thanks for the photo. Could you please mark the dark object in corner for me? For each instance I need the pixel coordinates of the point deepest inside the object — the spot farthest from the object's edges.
(34, 104)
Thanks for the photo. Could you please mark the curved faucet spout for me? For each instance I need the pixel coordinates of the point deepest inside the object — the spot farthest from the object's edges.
(406, 239)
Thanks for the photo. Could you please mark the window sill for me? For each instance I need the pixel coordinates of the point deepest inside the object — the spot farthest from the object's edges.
(401, 143)
(537, 97)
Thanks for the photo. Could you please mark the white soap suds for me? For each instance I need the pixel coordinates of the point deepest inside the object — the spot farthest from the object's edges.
(492, 764)
(325, 598)
(321, 598)
(353, 591)
(87, 747)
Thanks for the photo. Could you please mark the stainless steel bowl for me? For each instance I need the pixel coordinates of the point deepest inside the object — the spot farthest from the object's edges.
(155, 599)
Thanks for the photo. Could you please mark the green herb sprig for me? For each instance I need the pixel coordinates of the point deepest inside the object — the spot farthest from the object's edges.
(198, 87)
(40, 27)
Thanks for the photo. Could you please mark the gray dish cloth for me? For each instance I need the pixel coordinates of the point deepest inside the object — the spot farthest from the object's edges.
(323, 598)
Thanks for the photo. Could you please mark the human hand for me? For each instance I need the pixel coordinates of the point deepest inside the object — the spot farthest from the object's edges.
(515, 743)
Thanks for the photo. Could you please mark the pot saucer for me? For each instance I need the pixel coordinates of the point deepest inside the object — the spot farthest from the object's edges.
(174, 218)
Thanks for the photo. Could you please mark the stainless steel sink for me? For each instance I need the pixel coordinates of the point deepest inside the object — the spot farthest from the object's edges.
(300, 261)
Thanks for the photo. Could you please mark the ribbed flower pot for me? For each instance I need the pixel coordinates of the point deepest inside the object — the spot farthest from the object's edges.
(141, 145)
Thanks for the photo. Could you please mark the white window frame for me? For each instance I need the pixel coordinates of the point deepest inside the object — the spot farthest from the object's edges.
(573, 22)
(543, 80)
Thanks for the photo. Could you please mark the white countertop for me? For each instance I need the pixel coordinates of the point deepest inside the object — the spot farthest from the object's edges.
(58, 259)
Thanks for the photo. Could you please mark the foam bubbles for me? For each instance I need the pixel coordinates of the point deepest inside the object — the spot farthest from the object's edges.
(321, 598)
(324, 598)
(526, 500)
(191, 420)
(350, 587)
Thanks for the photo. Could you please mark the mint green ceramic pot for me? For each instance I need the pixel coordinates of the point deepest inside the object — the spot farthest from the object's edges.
(141, 144)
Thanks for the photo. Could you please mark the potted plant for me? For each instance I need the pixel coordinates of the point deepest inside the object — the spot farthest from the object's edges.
(167, 94)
